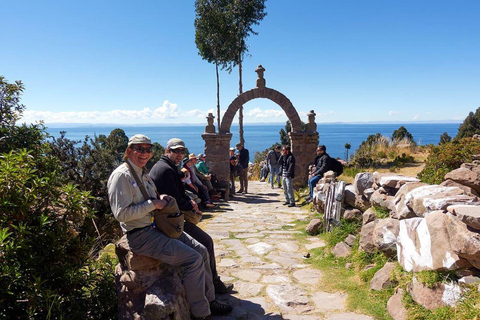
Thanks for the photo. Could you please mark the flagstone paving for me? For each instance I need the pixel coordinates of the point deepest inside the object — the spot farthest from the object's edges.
(266, 264)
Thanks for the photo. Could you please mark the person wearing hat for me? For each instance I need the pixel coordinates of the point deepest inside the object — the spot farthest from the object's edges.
(165, 175)
(201, 171)
(243, 159)
(133, 212)
(287, 168)
(203, 190)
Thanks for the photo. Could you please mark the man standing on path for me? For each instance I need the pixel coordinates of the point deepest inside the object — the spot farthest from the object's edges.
(272, 162)
(243, 159)
(134, 213)
(287, 167)
(323, 163)
(233, 163)
(166, 177)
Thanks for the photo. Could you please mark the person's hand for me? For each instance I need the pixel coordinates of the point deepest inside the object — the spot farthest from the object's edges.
(209, 177)
(204, 187)
(165, 197)
(159, 204)
(194, 205)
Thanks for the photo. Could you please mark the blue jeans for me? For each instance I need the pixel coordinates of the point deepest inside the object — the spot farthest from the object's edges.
(274, 171)
(288, 190)
(312, 182)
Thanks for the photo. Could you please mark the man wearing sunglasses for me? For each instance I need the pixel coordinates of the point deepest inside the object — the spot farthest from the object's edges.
(132, 210)
(165, 174)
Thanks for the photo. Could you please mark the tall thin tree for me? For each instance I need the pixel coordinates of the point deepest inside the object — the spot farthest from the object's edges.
(243, 15)
(212, 37)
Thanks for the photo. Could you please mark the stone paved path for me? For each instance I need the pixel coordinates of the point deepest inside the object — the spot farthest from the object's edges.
(254, 251)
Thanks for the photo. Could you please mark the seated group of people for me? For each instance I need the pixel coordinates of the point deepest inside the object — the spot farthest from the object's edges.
(193, 250)
(198, 181)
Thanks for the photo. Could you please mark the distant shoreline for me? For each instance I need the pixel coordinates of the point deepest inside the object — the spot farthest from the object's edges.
(86, 125)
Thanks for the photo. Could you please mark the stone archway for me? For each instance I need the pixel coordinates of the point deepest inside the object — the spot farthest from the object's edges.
(256, 93)
(304, 142)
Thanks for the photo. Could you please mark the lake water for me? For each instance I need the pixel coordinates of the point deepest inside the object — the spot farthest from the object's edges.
(260, 137)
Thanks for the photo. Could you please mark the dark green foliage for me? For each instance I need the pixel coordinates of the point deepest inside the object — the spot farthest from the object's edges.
(444, 138)
(347, 147)
(402, 134)
(44, 249)
(470, 126)
(351, 171)
(447, 157)
(46, 267)
(402, 159)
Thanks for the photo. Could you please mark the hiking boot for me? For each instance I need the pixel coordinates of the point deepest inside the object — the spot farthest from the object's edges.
(209, 317)
(221, 287)
(291, 204)
(240, 191)
(285, 203)
(220, 309)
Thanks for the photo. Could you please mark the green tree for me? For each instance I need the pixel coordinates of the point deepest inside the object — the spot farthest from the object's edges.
(470, 126)
(402, 134)
(213, 37)
(347, 147)
(444, 138)
(243, 14)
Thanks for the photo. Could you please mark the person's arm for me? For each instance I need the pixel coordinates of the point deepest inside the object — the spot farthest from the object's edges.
(320, 168)
(166, 182)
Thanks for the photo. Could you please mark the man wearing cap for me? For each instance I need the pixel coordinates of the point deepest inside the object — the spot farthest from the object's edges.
(165, 174)
(243, 159)
(133, 212)
(287, 167)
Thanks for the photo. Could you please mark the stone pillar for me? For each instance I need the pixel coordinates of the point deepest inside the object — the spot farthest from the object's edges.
(304, 146)
(217, 146)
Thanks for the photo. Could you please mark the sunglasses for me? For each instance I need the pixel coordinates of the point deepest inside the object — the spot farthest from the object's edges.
(177, 150)
(141, 149)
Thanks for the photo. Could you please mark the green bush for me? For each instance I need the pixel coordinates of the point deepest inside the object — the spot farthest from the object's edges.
(447, 157)
(44, 262)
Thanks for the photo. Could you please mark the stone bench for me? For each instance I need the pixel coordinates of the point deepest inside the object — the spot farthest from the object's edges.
(148, 288)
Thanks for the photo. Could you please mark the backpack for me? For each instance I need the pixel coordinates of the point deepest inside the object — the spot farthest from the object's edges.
(337, 166)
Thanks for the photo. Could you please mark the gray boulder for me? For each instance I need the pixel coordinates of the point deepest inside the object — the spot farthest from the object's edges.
(392, 180)
(148, 288)
(382, 278)
(363, 180)
(314, 226)
(443, 294)
(468, 174)
(395, 307)
(369, 216)
(464, 241)
(470, 215)
(385, 236)
(468, 191)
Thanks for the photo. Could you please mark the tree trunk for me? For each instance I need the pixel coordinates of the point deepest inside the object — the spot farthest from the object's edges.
(240, 114)
(218, 97)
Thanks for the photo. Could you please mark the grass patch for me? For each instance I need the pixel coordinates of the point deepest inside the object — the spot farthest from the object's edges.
(337, 278)
(381, 212)
(340, 232)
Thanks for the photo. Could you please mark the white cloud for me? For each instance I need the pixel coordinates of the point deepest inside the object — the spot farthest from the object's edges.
(168, 111)
(416, 116)
(390, 113)
(258, 113)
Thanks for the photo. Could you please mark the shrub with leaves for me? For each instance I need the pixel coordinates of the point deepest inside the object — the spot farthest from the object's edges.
(447, 157)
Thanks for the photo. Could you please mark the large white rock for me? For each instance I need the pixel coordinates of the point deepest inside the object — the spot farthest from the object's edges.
(424, 244)
(429, 198)
(392, 180)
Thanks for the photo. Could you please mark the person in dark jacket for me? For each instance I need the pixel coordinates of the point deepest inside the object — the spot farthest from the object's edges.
(272, 162)
(166, 176)
(323, 163)
(243, 159)
(287, 170)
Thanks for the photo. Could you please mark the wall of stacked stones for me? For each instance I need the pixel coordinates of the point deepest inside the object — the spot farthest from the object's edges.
(429, 227)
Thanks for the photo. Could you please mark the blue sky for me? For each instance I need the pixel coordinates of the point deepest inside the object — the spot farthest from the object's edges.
(135, 62)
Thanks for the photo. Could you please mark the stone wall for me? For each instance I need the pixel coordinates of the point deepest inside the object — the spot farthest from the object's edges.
(147, 288)
(428, 227)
